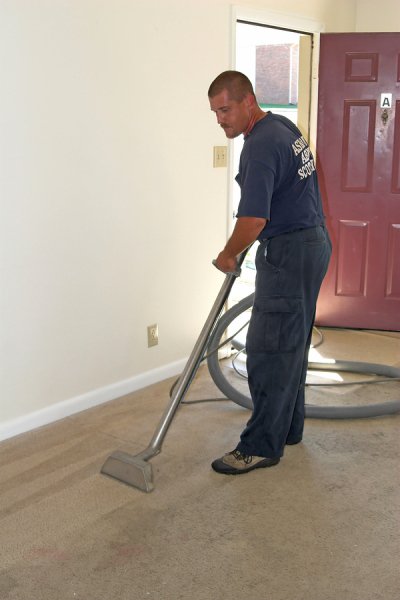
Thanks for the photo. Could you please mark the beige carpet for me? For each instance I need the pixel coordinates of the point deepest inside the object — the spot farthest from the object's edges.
(322, 525)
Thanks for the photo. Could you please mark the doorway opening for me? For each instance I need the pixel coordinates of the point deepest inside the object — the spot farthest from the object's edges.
(278, 62)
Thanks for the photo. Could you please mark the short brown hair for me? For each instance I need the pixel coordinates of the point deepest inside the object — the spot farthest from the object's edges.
(236, 83)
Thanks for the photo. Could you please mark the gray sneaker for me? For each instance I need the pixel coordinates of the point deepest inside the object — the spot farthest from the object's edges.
(234, 463)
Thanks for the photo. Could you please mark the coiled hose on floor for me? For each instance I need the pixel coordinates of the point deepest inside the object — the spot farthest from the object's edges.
(312, 411)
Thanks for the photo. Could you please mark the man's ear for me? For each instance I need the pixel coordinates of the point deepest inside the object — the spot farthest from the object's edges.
(250, 100)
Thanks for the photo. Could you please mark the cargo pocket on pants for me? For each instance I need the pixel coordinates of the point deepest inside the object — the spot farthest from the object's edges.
(276, 325)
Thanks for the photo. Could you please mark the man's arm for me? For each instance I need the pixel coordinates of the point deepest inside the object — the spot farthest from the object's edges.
(245, 232)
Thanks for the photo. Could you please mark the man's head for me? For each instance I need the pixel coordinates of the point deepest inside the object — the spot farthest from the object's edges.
(232, 98)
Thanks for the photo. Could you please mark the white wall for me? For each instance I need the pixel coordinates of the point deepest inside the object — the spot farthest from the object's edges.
(378, 16)
(110, 209)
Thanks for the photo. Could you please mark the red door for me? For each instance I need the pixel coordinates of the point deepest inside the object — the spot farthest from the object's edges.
(358, 157)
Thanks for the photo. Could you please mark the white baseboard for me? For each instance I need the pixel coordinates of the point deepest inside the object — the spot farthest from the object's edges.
(66, 408)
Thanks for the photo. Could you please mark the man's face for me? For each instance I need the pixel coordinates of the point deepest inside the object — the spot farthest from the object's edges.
(232, 116)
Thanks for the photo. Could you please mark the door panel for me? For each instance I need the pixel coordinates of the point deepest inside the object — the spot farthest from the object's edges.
(396, 152)
(351, 274)
(358, 145)
(358, 161)
(393, 264)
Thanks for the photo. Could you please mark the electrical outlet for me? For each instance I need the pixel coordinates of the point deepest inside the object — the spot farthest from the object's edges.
(152, 335)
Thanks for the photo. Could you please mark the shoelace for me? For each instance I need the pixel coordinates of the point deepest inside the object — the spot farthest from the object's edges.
(244, 457)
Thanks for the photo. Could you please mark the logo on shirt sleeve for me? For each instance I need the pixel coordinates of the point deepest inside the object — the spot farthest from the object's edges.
(300, 146)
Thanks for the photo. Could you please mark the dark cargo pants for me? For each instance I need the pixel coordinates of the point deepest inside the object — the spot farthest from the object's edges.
(290, 270)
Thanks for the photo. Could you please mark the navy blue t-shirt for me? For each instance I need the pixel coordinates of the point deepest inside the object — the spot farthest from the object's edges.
(277, 178)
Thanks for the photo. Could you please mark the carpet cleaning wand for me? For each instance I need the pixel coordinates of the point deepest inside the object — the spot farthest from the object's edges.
(135, 470)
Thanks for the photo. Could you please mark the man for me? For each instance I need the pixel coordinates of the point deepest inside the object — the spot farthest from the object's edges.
(280, 206)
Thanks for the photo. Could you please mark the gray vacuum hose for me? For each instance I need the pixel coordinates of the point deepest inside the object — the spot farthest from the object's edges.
(311, 411)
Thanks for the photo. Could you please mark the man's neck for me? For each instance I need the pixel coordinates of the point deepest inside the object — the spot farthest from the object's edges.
(254, 118)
